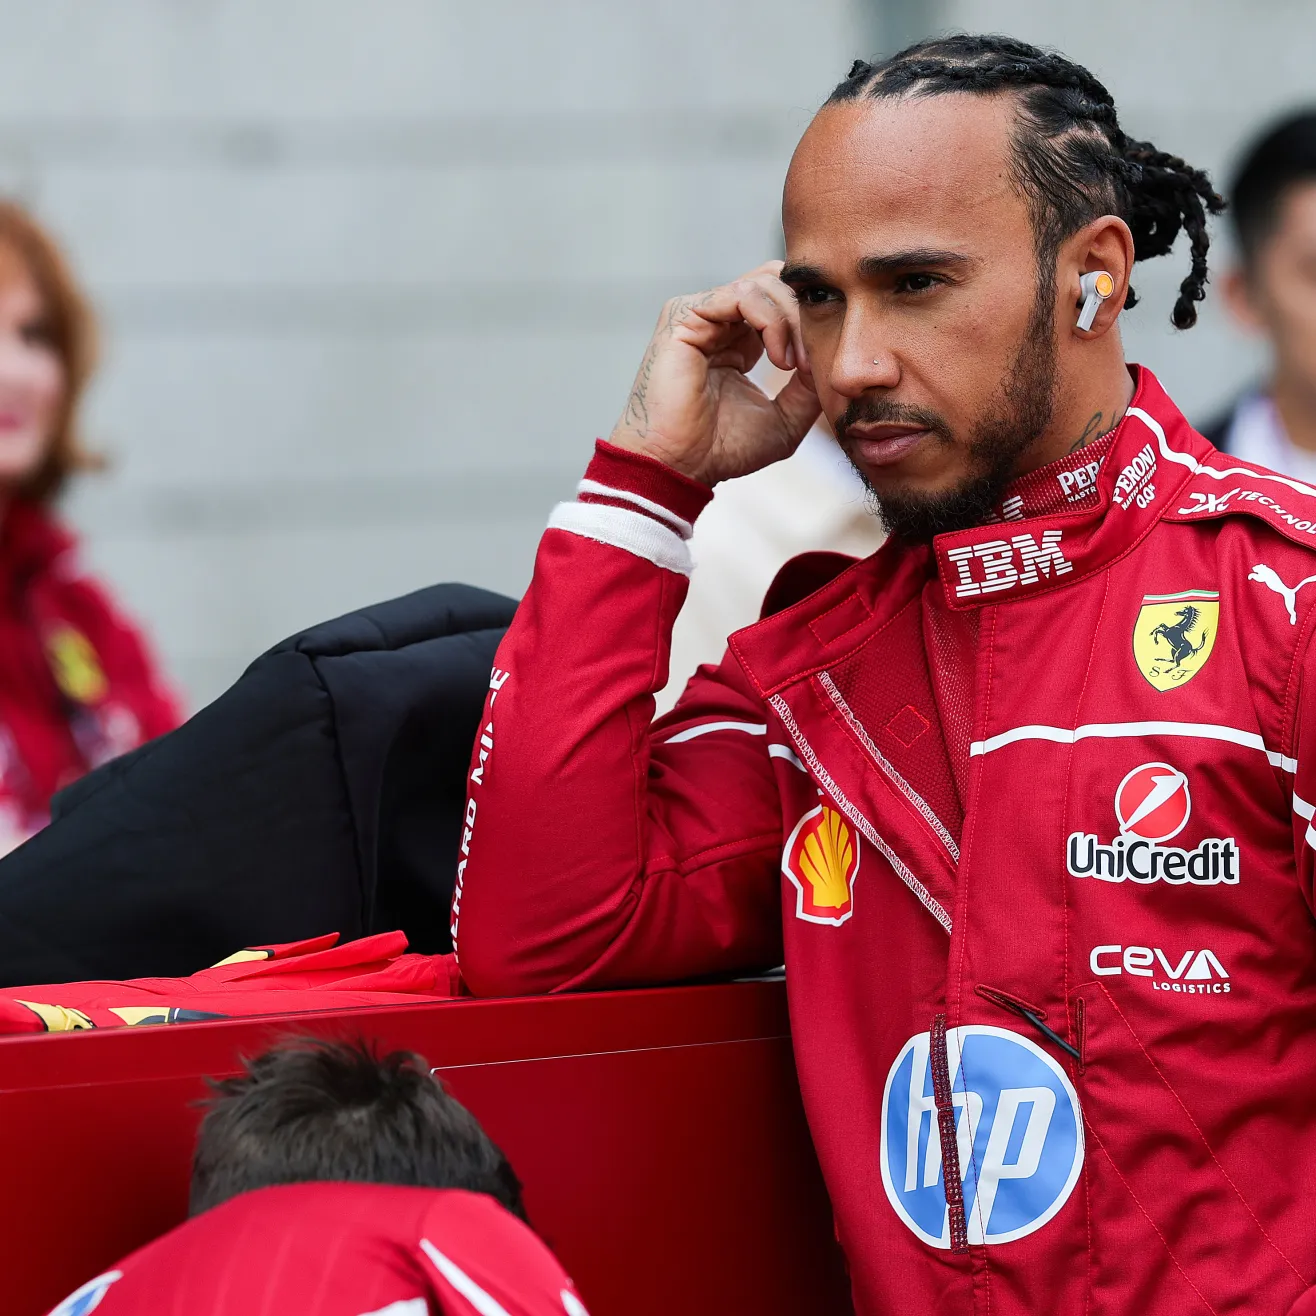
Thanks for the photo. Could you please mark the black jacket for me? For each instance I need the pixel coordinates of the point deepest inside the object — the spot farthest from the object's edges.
(323, 792)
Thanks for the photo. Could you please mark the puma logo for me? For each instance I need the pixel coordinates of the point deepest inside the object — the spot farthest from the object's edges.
(1263, 575)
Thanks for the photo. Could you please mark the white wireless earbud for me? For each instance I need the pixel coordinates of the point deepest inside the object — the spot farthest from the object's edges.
(1095, 288)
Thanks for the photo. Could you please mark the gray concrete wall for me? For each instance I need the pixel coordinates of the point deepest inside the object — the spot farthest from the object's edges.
(374, 274)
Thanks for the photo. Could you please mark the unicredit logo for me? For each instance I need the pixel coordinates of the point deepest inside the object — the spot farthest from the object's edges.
(1153, 802)
(1152, 805)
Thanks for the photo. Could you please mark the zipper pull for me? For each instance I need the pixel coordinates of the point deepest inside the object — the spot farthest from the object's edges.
(1016, 1006)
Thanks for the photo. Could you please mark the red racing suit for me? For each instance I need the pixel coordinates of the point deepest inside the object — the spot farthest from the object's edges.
(338, 1249)
(1028, 814)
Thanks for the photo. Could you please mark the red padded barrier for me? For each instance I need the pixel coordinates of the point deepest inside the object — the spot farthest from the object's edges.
(659, 1135)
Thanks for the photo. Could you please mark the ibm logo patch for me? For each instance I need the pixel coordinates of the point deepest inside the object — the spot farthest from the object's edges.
(997, 564)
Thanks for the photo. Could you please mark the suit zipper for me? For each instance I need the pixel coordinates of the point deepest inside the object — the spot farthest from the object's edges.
(946, 1133)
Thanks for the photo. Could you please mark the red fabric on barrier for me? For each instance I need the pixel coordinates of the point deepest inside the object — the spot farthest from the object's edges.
(316, 974)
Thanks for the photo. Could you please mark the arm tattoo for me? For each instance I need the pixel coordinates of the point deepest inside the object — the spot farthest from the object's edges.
(637, 405)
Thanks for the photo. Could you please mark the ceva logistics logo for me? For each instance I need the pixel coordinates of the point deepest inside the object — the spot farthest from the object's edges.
(1018, 1129)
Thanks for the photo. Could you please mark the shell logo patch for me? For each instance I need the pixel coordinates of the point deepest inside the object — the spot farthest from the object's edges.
(820, 861)
(1174, 635)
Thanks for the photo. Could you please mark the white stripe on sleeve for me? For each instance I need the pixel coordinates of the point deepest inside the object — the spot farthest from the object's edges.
(485, 1303)
(690, 733)
(679, 524)
(635, 532)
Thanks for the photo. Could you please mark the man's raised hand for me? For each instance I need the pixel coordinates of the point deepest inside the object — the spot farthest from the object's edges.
(692, 406)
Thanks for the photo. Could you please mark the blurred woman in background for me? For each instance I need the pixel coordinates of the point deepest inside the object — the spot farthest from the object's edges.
(77, 685)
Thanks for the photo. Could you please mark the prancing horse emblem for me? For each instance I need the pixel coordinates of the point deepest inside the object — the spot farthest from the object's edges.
(1174, 635)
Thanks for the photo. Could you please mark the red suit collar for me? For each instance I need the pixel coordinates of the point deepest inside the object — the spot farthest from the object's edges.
(1085, 517)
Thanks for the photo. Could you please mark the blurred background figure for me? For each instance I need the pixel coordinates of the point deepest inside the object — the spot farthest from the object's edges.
(77, 685)
(330, 1181)
(1272, 292)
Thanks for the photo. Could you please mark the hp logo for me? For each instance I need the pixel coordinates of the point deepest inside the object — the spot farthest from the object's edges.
(1017, 1125)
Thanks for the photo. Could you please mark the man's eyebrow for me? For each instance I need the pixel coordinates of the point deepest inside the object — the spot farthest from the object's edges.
(873, 267)
(800, 274)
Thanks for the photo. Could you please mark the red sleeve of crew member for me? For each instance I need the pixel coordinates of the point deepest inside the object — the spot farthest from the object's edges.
(480, 1259)
(599, 850)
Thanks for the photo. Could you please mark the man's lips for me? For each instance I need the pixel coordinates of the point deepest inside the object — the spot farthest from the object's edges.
(882, 445)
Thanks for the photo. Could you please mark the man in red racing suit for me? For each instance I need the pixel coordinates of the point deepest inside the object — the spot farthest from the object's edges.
(1025, 806)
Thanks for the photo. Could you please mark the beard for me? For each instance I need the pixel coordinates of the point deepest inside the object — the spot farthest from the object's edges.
(1015, 418)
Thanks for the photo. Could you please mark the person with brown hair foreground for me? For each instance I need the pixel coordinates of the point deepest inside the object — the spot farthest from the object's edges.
(316, 1110)
(329, 1181)
(1023, 799)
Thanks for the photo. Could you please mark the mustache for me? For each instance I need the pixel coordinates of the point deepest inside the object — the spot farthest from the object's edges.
(882, 411)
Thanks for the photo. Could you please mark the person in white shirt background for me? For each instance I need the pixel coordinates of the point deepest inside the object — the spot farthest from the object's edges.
(1272, 291)
(813, 500)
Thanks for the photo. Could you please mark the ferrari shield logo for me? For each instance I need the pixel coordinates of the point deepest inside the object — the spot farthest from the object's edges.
(1174, 635)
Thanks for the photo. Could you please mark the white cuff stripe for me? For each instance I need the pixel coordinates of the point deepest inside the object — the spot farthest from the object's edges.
(750, 728)
(1132, 730)
(682, 527)
(632, 531)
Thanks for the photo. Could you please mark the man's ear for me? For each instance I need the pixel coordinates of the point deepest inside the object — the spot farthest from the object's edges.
(1106, 244)
(1240, 297)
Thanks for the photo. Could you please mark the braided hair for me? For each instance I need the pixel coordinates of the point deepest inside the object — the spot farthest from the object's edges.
(1072, 160)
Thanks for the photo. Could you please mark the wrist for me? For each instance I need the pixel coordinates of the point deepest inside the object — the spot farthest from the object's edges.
(645, 444)
(654, 479)
(632, 501)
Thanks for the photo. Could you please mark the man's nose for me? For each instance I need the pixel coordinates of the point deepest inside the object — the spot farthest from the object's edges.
(862, 361)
